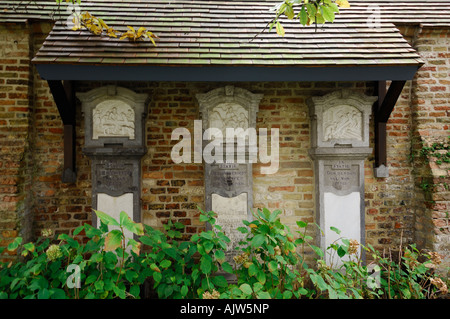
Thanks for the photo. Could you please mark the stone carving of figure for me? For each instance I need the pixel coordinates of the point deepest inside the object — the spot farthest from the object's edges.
(228, 115)
(342, 122)
(113, 119)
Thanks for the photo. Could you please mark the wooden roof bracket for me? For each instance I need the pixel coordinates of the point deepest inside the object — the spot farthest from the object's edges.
(64, 96)
(382, 110)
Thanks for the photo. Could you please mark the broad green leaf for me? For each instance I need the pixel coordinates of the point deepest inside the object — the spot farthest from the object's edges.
(208, 246)
(184, 291)
(99, 284)
(78, 230)
(206, 264)
(317, 250)
(29, 246)
(113, 240)
(273, 216)
(257, 286)
(280, 29)
(130, 275)
(44, 294)
(287, 294)
(289, 12)
(57, 293)
(263, 295)
(301, 224)
(311, 9)
(171, 252)
(106, 219)
(96, 258)
(219, 255)
(207, 235)
(13, 246)
(227, 268)
(252, 270)
(90, 279)
(135, 246)
(157, 277)
(336, 230)
(128, 223)
(146, 240)
(135, 290)
(246, 289)
(165, 263)
(328, 13)
(168, 291)
(258, 240)
(261, 277)
(273, 266)
(303, 16)
(341, 251)
(220, 281)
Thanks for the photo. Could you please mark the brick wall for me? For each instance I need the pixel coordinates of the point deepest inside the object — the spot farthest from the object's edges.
(390, 202)
(32, 196)
(430, 106)
(16, 92)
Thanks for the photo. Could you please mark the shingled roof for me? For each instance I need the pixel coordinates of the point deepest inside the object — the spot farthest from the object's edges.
(222, 33)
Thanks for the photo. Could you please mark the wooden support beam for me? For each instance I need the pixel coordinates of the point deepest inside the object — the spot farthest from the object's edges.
(382, 111)
(63, 94)
(392, 95)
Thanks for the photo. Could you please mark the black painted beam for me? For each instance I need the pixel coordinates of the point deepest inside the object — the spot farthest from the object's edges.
(382, 111)
(63, 95)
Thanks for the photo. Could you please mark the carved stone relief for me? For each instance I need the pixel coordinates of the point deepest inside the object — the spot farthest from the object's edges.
(113, 118)
(228, 115)
(342, 122)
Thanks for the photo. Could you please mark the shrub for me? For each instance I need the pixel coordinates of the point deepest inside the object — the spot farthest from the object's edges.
(269, 263)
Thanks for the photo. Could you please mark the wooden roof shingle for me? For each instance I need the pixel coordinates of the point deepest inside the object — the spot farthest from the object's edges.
(228, 33)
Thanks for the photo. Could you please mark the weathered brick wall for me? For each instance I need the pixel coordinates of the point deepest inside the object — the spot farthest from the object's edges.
(430, 105)
(56, 205)
(390, 202)
(397, 208)
(15, 115)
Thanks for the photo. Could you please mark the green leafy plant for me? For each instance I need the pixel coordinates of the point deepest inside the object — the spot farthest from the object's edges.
(307, 12)
(106, 264)
(411, 276)
(185, 269)
(269, 263)
(266, 266)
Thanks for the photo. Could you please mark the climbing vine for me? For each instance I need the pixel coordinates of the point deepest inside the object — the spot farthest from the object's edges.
(438, 150)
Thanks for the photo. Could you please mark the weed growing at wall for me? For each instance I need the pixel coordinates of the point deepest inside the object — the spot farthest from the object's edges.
(269, 264)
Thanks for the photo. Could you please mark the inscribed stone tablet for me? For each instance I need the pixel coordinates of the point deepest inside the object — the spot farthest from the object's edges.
(341, 175)
(114, 205)
(343, 213)
(230, 213)
(114, 175)
(228, 179)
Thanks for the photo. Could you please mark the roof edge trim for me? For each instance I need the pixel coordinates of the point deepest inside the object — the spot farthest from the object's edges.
(224, 73)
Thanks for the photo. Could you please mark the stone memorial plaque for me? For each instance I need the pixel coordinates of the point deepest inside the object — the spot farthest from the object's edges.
(228, 179)
(228, 186)
(340, 144)
(230, 213)
(343, 212)
(341, 176)
(114, 141)
(113, 205)
(114, 175)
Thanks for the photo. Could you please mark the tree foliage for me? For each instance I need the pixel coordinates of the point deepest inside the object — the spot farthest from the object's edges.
(307, 12)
